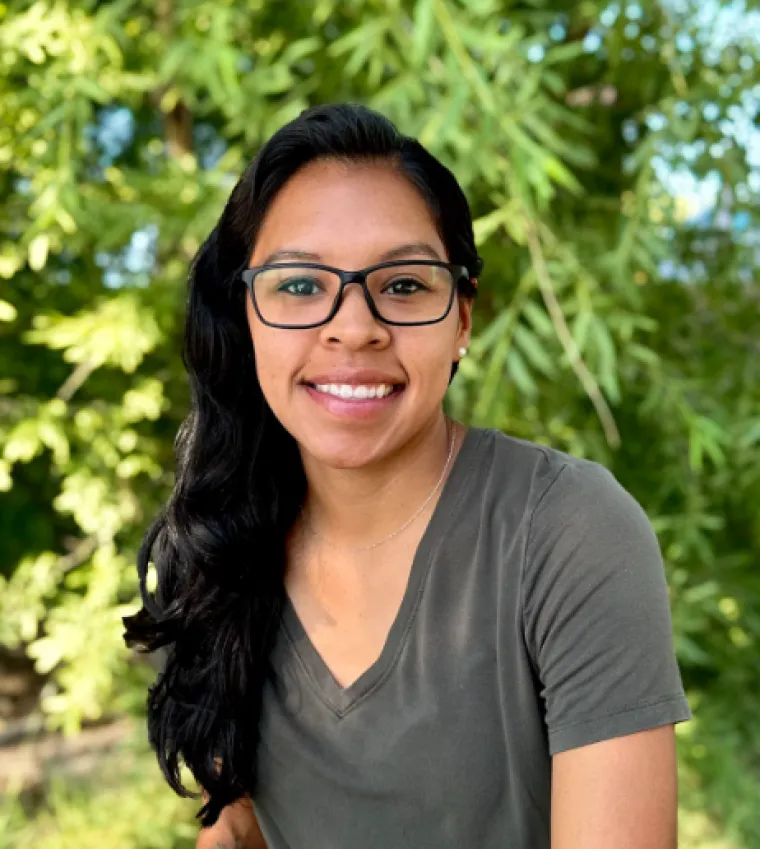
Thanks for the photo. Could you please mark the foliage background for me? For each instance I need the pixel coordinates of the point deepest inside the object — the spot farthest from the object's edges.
(609, 155)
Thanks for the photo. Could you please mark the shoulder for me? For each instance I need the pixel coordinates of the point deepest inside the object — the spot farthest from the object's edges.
(515, 463)
(551, 482)
(584, 500)
(559, 498)
(587, 537)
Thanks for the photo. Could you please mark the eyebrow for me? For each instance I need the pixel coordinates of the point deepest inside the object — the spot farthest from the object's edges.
(399, 252)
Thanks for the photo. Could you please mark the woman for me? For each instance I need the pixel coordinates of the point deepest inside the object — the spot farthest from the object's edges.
(384, 629)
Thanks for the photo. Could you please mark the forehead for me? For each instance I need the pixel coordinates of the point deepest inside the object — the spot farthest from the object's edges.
(342, 211)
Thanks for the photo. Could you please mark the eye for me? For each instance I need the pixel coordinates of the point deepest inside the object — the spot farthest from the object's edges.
(300, 286)
(404, 286)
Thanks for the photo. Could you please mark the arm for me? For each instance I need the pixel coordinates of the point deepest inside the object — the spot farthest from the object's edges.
(617, 794)
(236, 828)
(598, 624)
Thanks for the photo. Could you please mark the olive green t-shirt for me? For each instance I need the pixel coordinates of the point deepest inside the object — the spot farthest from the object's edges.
(536, 619)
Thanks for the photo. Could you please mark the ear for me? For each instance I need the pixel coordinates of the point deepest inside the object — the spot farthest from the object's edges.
(464, 326)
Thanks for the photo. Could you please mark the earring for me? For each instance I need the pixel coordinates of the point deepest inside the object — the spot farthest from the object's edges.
(463, 352)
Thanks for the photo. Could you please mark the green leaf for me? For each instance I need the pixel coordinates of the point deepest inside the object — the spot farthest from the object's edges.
(424, 21)
(606, 357)
(579, 329)
(7, 311)
(751, 433)
(539, 319)
(118, 331)
(363, 38)
(38, 251)
(519, 374)
(533, 350)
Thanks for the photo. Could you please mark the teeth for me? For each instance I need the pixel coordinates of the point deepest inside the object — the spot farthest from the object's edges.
(343, 390)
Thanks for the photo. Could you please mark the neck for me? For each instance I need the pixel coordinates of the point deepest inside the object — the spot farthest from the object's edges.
(358, 507)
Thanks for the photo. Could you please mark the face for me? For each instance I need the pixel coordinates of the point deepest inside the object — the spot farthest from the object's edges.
(349, 216)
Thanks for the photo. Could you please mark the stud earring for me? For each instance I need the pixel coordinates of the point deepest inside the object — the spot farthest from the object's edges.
(463, 352)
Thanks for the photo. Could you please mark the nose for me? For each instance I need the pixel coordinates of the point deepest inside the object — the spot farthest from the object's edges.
(353, 324)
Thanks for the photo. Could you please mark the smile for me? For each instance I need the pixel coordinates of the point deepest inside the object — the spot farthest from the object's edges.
(350, 392)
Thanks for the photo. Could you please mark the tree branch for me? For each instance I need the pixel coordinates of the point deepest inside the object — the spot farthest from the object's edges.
(178, 121)
(588, 381)
(76, 379)
(81, 553)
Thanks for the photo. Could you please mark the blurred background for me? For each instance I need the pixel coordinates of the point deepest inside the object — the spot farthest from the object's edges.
(611, 157)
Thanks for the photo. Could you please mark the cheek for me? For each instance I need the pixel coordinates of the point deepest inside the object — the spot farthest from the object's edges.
(278, 355)
(428, 358)
(277, 361)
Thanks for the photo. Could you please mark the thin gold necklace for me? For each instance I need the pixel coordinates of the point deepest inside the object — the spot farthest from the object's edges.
(403, 527)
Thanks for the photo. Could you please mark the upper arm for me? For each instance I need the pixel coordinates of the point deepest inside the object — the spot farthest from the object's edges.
(620, 793)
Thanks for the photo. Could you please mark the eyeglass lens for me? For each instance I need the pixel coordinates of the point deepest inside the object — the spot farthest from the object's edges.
(402, 294)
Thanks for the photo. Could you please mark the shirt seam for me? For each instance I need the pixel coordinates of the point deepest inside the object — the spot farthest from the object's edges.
(645, 703)
(305, 667)
(525, 557)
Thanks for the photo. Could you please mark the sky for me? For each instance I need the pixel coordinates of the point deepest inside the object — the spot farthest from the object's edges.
(719, 25)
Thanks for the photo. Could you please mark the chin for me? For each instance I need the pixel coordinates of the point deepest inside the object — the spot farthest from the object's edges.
(344, 451)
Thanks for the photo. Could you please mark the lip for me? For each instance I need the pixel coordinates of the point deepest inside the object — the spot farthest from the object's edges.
(354, 377)
(354, 408)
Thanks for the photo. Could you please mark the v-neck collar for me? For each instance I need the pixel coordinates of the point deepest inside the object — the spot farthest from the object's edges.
(343, 699)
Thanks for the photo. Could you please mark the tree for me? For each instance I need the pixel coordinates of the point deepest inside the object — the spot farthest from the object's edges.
(613, 322)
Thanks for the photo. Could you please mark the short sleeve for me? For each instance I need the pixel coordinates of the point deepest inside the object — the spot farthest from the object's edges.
(596, 612)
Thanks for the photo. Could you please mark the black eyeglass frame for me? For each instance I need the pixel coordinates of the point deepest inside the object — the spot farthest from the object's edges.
(458, 272)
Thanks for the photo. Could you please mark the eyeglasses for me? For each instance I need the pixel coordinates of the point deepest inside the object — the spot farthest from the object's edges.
(296, 296)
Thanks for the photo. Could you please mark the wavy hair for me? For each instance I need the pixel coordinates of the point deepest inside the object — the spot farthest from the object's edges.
(219, 544)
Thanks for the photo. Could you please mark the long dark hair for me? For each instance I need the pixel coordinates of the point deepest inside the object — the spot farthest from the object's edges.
(218, 546)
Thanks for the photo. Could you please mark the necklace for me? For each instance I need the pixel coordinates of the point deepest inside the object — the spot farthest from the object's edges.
(403, 527)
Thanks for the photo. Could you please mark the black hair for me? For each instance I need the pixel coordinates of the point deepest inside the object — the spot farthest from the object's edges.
(218, 546)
